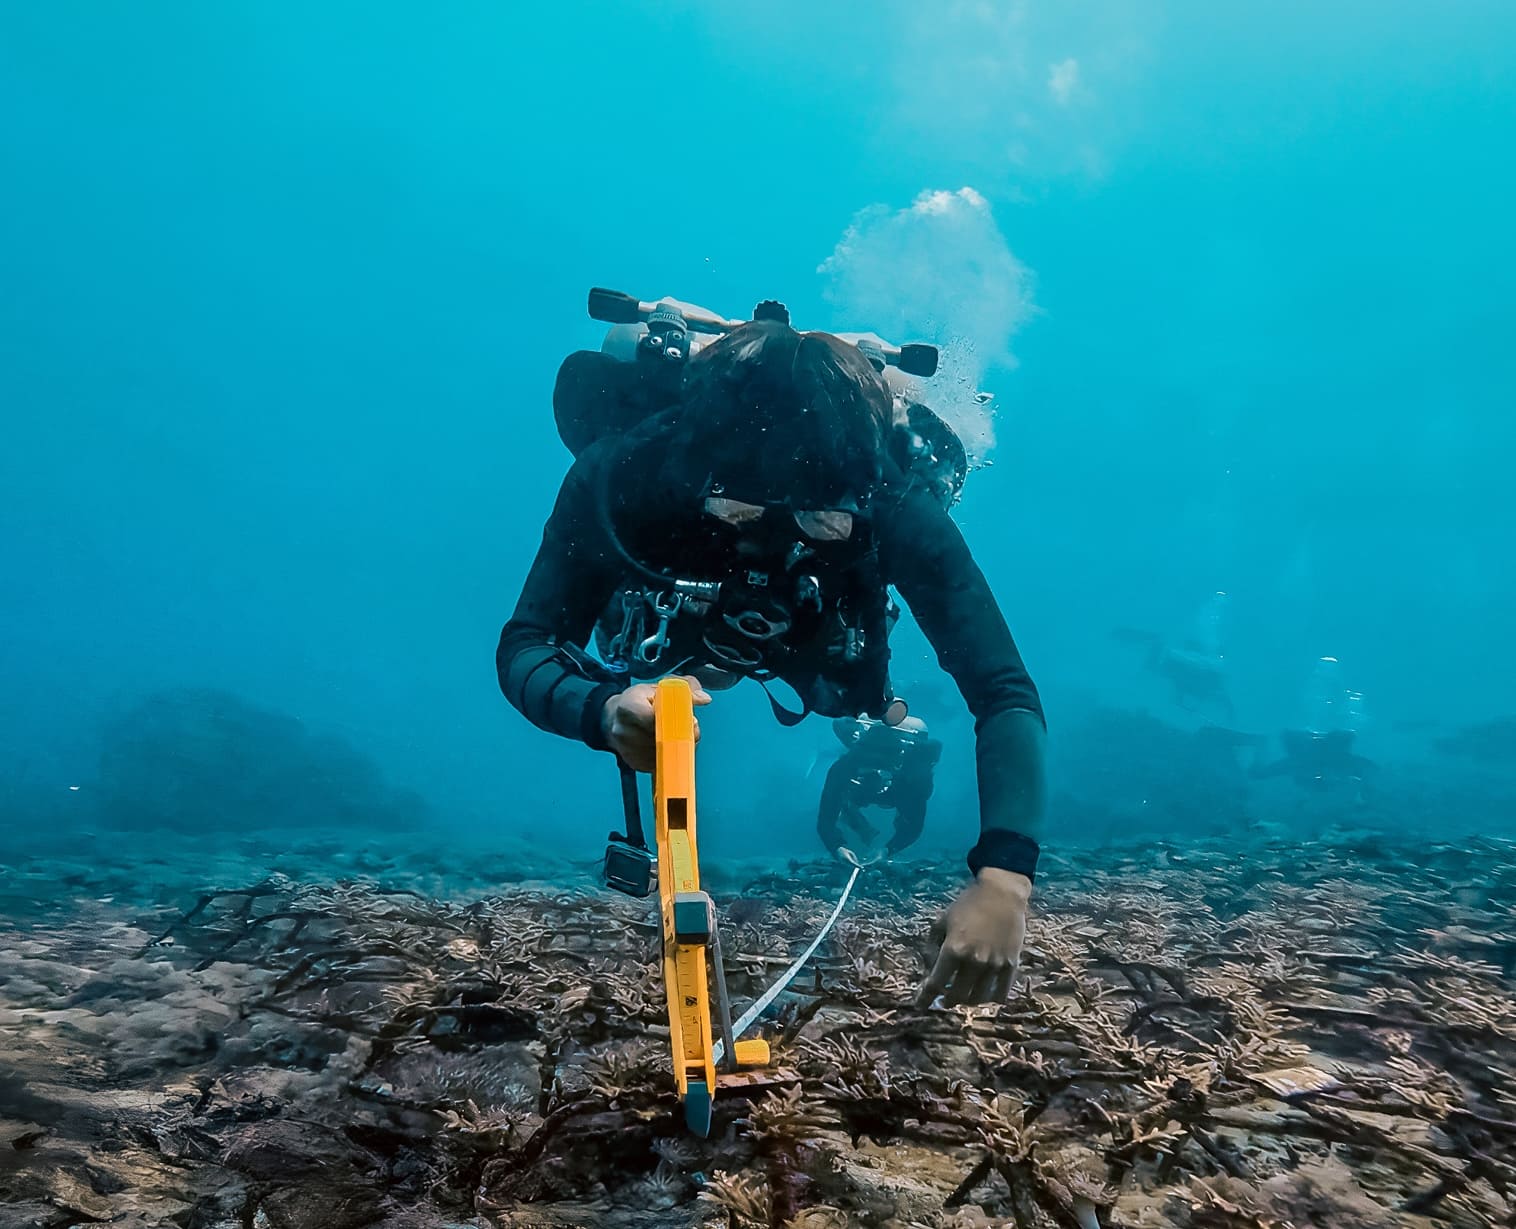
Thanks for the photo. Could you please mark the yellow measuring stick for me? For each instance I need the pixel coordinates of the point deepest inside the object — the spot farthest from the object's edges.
(689, 923)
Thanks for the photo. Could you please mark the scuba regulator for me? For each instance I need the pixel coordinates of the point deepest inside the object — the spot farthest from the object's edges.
(667, 338)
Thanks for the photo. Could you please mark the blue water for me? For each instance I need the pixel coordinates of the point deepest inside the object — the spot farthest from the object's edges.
(283, 290)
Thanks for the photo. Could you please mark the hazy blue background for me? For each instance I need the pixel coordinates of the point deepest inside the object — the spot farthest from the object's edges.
(283, 290)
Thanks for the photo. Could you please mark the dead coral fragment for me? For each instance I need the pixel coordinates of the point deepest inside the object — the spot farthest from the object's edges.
(788, 1117)
(746, 1201)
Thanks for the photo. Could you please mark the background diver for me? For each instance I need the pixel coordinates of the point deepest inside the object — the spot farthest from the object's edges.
(1322, 756)
(1195, 668)
(756, 525)
(883, 766)
(1316, 759)
(1195, 677)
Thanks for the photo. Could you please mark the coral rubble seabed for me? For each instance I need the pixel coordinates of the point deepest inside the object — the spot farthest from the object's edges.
(1206, 1035)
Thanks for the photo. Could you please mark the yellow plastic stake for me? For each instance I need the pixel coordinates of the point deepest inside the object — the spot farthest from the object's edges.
(684, 963)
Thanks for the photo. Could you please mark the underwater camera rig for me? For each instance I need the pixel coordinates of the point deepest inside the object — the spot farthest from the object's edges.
(669, 325)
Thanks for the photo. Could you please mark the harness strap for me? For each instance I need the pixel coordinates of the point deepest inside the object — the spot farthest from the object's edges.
(784, 716)
(631, 805)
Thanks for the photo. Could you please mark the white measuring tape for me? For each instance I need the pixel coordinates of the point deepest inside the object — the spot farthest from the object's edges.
(773, 992)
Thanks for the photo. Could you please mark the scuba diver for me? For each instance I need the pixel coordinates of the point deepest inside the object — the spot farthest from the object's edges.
(1194, 669)
(884, 766)
(1322, 756)
(1318, 760)
(751, 526)
(1195, 678)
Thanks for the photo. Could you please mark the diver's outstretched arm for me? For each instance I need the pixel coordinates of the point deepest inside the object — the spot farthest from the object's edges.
(925, 557)
(927, 560)
(912, 790)
(571, 579)
(910, 820)
(833, 801)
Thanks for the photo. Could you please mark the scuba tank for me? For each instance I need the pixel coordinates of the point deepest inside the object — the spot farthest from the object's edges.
(639, 369)
(614, 307)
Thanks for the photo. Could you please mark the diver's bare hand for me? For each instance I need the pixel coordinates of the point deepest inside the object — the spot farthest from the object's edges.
(627, 722)
(981, 936)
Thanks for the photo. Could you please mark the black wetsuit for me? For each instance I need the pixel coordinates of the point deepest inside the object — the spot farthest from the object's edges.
(920, 552)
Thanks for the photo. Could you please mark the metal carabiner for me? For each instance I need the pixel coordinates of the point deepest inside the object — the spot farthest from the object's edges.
(665, 607)
(631, 617)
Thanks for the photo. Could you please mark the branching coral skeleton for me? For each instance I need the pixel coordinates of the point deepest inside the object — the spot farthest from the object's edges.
(1191, 1035)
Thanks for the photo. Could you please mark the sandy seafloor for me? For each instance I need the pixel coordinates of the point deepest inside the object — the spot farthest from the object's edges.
(1211, 1034)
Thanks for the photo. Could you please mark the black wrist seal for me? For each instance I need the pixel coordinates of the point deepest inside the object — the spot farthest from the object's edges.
(1004, 850)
